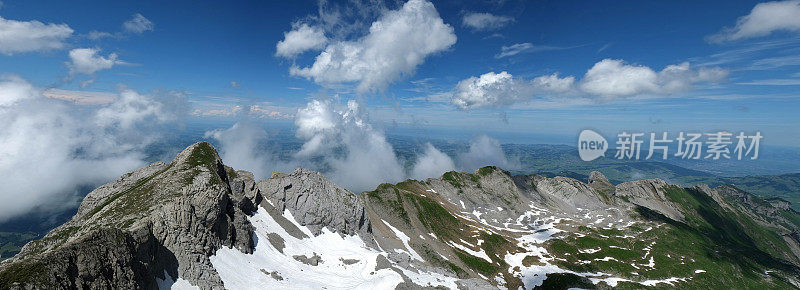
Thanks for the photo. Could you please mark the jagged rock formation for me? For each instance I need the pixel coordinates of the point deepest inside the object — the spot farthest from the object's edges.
(198, 222)
(316, 202)
(156, 220)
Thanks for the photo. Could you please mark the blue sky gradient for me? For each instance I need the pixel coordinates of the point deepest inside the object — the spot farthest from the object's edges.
(223, 54)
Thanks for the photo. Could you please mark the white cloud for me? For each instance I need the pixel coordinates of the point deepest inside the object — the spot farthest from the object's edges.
(485, 21)
(138, 24)
(27, 36)
(50, 148)
(764, 19)
(342, 144)
(359, 156)
(613, 78)
(396, 44)
(518, 48)
(490, 89)
(553, 83)
(484, 151)
(234, 85)
(513, 50)
(607, 79)
(239, 147)
(300, 39)
(87, 61)
(431, 163)
(502, 89)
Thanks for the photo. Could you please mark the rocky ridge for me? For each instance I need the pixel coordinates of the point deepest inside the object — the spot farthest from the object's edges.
(185, 220)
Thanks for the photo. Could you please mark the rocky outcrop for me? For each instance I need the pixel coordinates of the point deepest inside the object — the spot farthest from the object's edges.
(128, 233)
(316, 202)
(650, 193)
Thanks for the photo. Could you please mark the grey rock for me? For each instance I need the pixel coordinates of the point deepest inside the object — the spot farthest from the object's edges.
(160, 218)
(316, 202)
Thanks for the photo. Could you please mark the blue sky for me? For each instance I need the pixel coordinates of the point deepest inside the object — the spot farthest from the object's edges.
(223, 54)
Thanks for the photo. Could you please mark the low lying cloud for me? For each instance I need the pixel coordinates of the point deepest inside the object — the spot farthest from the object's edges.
(397, 43)
(764, 19)
(607, 80)
(241, 148)
(431, 163)
(359, 156)
(28, 36)
(485, 21)
(484, 151)
(264, 111)
(340, 142)
(50, 147)
(80, 97)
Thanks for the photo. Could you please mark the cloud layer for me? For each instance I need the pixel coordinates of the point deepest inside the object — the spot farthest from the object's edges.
(341, 143)
(606, 80)
(396, 44)
(50, 148)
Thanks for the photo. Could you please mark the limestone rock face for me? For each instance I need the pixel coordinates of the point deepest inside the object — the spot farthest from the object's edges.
(161, 218)
(651, 194)
(316, 202)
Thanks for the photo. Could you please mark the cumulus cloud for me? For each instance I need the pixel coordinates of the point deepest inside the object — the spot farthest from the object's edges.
(28, 36)
(502, 89)
(607, 79)
(395, 45)
(611, 77)
(484, 151)
(359, 157)
(87, 61)
(50, 148)
(340, 142)
(301, 38)
(431, 163)
(485, 21)
(138, 24)
(764, 19)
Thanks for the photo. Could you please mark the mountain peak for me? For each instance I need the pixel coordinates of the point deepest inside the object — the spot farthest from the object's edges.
(200, 153)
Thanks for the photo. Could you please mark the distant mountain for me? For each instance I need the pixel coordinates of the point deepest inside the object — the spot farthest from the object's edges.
(196, 223)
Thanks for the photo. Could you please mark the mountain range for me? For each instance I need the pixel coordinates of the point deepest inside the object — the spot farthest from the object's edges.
(197, 223)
